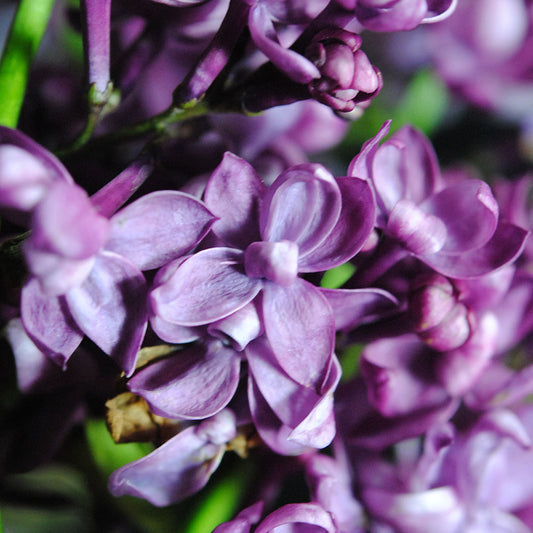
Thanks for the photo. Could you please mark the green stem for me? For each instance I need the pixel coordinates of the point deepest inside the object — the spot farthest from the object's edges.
(22, 43)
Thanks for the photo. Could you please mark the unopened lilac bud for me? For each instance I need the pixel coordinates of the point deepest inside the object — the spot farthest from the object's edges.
(347, 76)
(439, 319)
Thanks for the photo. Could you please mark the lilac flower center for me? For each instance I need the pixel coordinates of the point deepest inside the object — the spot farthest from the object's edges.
(275, 261)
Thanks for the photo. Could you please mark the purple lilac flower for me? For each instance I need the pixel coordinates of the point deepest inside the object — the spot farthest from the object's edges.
(453, 228)
(276, 233)
(87, 268)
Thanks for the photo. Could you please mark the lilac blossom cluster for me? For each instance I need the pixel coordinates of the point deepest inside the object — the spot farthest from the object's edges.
(206, 284)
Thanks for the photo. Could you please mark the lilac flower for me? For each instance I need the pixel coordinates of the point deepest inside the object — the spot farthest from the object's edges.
(454, 229)
(87, 269)
(306, 221)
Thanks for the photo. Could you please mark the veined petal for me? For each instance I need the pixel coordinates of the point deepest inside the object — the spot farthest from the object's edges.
(232, 194)
(354, 225)
(505, 246)
(208, 286)
(194, 383)
(469, 211)
(110, 308)
(175, 470)
(294, 65)
(300, 327)
(158, 227)
(48, 323)
(174, 333)
(302, 206)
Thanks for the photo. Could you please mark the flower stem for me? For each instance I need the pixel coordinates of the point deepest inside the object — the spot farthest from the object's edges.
(21, 46)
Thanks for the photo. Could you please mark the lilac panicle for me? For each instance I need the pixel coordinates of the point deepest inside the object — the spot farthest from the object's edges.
(181, 466)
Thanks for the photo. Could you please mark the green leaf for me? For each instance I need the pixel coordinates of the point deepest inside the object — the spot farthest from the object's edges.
(350, 361)
(423, 104)
(21, 46)
(336, 277)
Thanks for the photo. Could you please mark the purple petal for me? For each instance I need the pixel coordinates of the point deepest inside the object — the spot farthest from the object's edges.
(66, 223)
(310, 514)
(353, 307)
(48, 323)
(294, 65)
(23, 178)
(439, 10)
(421, 233)
(206, 287)
(54, 167)
(175, 470)
(110, 308)
(469, 211)
(243, 521)
(309, 415)
(402, 15)
(193, 383)
(272, 431)
(233, 194)
(505, 245)
(354, 225)
(159, 227)
(302, 205)
(174, 333)
(300, 327)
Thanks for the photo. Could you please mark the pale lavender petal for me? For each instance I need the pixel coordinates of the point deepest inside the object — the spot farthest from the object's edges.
(23, 178)
(270, 428)
(194, 383)
(353, 227)
(309, 414)
(206, 287)
(158, 228)
(388, 174)
(353, 307)
(66, 223)
(302, 205)
(56, 274)
(505, 245)
(300, 327)
(233, 194)
(439, 10)
(175, 470)
(263, 33)
(275, 261)
(110, 308)
(438, 510)
(174, 333)
(469, 211)
(310, 514)
(34, 368)
(400, 16)
(421, 233)
(54, 167)
(48, 323)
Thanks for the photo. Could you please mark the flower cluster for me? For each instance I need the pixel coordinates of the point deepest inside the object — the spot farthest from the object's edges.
(359, 321)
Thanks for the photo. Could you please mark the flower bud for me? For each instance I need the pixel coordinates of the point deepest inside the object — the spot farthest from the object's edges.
(347, 76)
(439, 319)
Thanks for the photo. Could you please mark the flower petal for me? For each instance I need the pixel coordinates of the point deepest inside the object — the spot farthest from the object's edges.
(302, 206)
(353, 227)
(232, 194)
(208, 286)
(48, 323)
(300, 327)
(110, 308)
(193, 383)
(310, 514)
